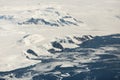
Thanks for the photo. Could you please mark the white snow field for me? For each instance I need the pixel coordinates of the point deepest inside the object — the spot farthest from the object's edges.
(27, 28)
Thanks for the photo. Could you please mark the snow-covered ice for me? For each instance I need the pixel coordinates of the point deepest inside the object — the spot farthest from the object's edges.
(32, 25)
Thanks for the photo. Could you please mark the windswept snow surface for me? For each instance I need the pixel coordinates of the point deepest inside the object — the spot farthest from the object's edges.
(46, 35)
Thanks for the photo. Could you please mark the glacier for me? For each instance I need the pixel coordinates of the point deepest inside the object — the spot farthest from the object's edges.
(59, 40)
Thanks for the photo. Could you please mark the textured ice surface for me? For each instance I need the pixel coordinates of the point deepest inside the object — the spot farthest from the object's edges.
(59, 39)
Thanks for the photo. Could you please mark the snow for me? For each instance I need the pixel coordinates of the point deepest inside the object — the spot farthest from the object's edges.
(98, 17)
(31, 40)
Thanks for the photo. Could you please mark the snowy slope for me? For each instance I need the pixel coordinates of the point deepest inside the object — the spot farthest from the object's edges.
(26, 27)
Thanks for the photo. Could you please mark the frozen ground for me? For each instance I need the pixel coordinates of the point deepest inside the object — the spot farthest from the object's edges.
(33, 32)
